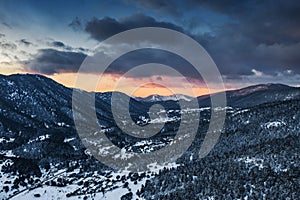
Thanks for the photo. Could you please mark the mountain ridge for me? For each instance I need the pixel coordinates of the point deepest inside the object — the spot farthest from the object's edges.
(156, 97)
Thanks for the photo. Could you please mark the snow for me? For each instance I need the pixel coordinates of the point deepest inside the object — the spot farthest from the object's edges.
(274, 124)
(250, 90)
(175, 118)
(104, 150)
(10, 83)
(6, 140)
(47, 192)
(40, 138)
(33, 116)
(174, 97)
(7, 153)
(181, 97)
(252, 161)
(147, 146)
(164, 120)
(155, 167)
(53, 192)
(280, 168)
(124, 154)
(191, 110)
(114, 194)
(119, 192)
(61, 124)
(220, 108)
(240, 112)
(46, 125)
(12, 95)
(69, 139)
(290, 96)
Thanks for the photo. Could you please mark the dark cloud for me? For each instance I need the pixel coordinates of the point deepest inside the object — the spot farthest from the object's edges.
(25, 42)
(239, 35)
(159, 78)
(61, 46)
(4, 45)
(82, 49)
(76, 24)
(58, 44)
(261, 35)
(2, 35)
(101, 29)
(51, 61)
(266, 22)
(237, 46)
(135, 58)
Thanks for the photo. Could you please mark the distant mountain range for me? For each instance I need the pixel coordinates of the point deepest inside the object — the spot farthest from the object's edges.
(242, 98)
(156, 97)
(256, 94)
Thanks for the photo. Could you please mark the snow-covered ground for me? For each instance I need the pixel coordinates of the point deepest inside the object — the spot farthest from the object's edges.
(116, 184)
(47, 192)
(251, 162)
(53, 192)
(274, 124)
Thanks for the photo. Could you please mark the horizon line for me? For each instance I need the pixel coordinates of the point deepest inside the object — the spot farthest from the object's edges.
(150, 94)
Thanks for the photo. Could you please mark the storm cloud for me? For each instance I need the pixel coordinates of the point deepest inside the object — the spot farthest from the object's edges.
(51, 61)
(101, 29)
(264, 35)
(244, 38)
(25, 42)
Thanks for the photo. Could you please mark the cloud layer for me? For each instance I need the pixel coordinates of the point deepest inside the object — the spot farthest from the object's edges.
(51, 61)
(101, 29)
(244, 38)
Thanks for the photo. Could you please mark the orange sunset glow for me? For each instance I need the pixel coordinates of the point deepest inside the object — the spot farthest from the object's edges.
(137, 85)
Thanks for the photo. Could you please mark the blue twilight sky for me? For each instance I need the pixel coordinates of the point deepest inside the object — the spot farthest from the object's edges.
(251, 41)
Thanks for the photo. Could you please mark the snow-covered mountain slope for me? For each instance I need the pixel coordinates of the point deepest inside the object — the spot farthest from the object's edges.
(256, 95)
(42, 157)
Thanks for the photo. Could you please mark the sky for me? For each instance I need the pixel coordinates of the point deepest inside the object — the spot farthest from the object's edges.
(251, 42)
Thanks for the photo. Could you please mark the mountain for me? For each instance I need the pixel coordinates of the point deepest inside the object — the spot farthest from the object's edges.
(156, 98)
(42, 156)
(242, 98)
(255, 95)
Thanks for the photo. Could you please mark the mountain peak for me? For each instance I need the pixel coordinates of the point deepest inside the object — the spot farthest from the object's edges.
(157, 97)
